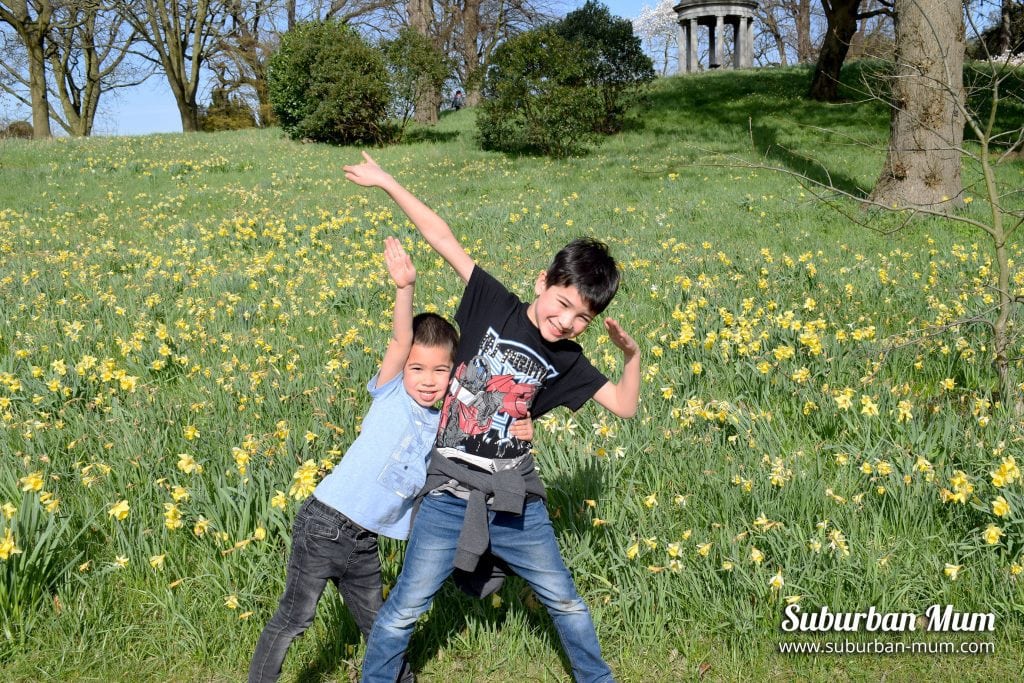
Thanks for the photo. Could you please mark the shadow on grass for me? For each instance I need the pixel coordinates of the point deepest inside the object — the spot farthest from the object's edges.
(768, 105)
(771, 106)
(765, 141)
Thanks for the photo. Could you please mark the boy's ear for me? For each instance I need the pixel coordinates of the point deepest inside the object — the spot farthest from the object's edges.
(542, 283)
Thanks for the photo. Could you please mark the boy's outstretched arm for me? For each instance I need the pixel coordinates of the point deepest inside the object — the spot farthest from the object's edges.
(403, 274)
(433, 228)
(623, 396)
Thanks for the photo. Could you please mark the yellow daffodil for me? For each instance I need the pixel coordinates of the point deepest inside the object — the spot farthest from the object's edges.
(1000, 508)
(201, 526)
(7, 546)
(992, 534)
(31, 482)
(188, 464)
(119, 510)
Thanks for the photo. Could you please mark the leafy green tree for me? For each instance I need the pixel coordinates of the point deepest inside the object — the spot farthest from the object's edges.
(616, 63)
(556, 88)
(328, 85)
(538, 96)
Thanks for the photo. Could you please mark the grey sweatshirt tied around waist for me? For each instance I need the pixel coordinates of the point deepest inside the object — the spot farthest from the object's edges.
(507, 489)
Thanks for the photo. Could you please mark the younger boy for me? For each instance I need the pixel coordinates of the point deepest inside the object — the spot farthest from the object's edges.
(372, 489)
(485, 499)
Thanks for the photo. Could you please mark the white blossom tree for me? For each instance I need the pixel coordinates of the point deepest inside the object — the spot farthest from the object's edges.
(658, 29)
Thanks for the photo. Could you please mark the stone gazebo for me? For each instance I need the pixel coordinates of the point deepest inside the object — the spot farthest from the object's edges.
(715, 14)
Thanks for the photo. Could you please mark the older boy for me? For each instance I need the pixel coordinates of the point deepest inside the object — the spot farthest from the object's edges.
(485, 499)
(372, 489)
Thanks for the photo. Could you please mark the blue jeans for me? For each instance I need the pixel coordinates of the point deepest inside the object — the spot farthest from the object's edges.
(326, 546)
(526, 543)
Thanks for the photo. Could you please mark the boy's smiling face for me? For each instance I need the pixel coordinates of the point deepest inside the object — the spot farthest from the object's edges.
(559, 312)
(426, 372)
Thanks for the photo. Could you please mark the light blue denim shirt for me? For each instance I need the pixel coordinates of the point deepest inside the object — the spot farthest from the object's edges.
(377, 479)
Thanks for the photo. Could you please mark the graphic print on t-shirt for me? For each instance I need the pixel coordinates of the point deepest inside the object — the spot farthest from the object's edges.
(494, 388)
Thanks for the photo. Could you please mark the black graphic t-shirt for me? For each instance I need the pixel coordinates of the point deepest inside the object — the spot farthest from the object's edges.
(504, 369)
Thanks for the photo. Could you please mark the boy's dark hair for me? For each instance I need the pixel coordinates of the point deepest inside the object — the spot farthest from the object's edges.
(430, 329)
(586, 265)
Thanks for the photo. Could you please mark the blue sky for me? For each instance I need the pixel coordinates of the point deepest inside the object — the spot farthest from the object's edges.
(150, 108)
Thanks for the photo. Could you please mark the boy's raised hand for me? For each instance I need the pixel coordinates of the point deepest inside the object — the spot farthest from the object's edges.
(368, 173)
(620, 337)
(400, 267)
(622, 397)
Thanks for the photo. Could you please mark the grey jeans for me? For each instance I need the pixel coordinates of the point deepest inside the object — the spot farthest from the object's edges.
(326, 546)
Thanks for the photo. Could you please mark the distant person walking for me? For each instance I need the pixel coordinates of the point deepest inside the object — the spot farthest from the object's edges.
(458, 100)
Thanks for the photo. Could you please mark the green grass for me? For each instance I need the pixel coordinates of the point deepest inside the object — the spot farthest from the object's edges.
(233, 283)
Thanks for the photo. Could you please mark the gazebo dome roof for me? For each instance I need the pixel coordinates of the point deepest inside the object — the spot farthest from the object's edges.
(693, 7)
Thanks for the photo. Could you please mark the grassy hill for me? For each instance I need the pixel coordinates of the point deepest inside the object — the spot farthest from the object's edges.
(188, 323)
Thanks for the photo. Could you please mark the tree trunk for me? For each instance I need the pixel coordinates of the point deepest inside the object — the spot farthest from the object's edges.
(428, 101)
(189, 113)
(32, 32)
(93, 88)
(842, 24)
(78, 101)
(470, 53)
(266, 109)
(1004, 36)
(927, 123)
(37, 87)
(804, 44)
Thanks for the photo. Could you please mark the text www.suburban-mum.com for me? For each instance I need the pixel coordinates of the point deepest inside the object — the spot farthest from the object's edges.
(884, 647)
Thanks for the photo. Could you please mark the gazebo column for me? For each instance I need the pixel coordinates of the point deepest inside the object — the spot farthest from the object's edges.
(691, 45)
(739, 47)
(719, 30)
(682, 47)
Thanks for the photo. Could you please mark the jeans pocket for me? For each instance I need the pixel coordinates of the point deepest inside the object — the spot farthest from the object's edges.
(322, 531)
